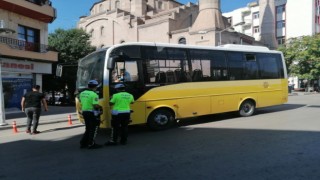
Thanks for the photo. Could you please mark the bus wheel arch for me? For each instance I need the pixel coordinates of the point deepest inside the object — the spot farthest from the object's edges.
(247, 108)
(161, 118)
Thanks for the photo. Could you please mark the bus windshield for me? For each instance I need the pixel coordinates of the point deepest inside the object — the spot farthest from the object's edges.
(91, 67)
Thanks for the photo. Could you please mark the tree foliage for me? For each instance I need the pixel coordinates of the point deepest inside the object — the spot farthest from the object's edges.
(302, 56)
(71, 45)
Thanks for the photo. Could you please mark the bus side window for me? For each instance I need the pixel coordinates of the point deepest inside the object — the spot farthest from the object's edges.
(236, 65)
(269, 67)
(161, 77)
(197, 75)
(177, 73)
(251, 66)
(171, 77)
(182, 76)
(130, 72)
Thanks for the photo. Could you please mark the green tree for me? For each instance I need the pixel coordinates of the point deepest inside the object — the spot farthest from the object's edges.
(71, 45)
(302, 56)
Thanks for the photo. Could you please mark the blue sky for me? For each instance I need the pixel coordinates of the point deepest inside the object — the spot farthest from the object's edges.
(69, 11)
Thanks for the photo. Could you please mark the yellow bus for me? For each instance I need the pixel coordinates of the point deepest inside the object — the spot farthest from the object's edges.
(171, 81)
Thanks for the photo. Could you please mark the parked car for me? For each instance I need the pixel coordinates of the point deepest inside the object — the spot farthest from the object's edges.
(59, 99)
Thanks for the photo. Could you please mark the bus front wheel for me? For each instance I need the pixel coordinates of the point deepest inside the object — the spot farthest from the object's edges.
(247, 108)
(160, 119)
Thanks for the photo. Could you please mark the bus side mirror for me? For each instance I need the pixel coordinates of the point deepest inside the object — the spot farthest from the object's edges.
(112, 61)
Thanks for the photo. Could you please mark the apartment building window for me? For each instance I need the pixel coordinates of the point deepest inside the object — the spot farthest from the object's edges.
(256, 29)
(281, 9)
(255, 15)
(29, 38)
(281, 24)
(281, 40)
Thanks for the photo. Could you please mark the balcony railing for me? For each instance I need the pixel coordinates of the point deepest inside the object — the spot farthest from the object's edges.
(23, 45)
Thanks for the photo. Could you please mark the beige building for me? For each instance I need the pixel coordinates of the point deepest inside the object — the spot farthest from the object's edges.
(168, 21)
(24, 53)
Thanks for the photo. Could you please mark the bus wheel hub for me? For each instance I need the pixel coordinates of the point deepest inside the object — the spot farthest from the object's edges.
(161, 119)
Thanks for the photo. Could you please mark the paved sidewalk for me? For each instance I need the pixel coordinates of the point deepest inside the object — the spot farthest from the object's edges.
(297, 93)
(56, 114)
(58, 118)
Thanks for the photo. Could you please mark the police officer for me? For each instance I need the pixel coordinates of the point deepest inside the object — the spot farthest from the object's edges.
(89, 106)
(120, 115)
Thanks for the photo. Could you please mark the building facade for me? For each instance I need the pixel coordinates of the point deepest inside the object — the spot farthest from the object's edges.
(273, 22)
(116, 21)
(24, 52)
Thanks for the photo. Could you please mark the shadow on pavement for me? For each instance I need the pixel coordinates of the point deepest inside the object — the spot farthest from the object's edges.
(180, 153)
(63, 128)
(229, 115)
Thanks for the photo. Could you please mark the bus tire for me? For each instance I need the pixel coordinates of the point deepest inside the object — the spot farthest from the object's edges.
(160, 119)
(247, 108)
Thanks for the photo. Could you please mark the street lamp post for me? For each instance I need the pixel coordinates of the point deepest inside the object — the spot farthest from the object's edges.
(2, 113)
(228, 28)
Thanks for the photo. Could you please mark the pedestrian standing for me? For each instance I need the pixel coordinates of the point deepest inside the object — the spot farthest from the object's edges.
(89, 107)
(31, 105)
(120, 103)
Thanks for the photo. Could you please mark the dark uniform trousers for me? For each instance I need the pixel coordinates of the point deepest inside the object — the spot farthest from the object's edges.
(120, 124)
(92, 125)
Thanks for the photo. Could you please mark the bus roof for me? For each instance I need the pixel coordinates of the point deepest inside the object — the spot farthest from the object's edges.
(244, 47)
(232, 47)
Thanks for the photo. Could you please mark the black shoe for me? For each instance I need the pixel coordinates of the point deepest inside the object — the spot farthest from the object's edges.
(110, 143)
(95, 146)
(36, 132)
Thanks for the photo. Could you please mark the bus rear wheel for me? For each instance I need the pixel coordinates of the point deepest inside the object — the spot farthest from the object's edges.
(160, 119)
(247, 108)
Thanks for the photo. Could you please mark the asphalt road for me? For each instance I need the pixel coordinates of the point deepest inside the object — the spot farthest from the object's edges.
(280, 142)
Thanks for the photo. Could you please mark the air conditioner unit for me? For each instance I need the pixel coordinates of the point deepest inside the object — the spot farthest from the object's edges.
(4, 28)
(1, 23)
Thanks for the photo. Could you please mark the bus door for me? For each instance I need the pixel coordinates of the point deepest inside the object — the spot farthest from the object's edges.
(125, 71)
